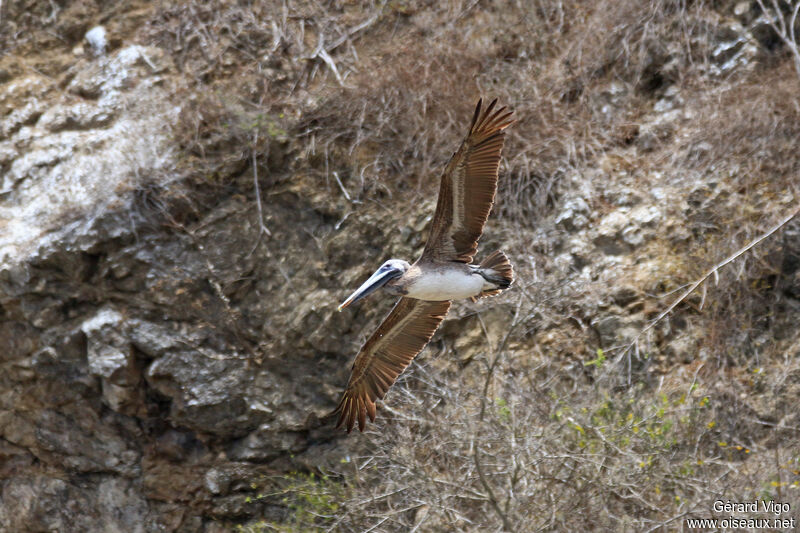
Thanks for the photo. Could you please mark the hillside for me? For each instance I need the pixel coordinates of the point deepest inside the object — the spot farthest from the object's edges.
(187, 195)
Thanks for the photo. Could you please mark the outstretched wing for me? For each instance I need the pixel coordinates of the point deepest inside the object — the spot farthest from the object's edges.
(401, 336)
(468, 187)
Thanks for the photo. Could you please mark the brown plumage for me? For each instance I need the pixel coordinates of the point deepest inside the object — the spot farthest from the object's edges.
(468, 187)
(499, 263)
(466, 194)
(401, 336)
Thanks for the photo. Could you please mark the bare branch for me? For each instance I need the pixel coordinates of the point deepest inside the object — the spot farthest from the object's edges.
(262, 228)
(713, 272)
(787, 34)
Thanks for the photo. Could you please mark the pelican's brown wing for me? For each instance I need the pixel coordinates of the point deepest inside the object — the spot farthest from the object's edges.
(401, 336)
(468, 187)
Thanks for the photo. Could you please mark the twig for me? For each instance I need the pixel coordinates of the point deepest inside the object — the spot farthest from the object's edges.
(351, 32)
(481, 476)
(667, 521)
(326, 57)
(262, 229)
(147, 60)
(486, 486)
(419, 521)
(713, 272)
(694, 379)
(378, 524)
(787, 35)
(324, 52)
(341, 186)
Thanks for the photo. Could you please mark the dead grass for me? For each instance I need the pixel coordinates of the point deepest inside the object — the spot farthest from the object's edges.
(374, 97)
(544, 449)
(751, 152)
(389, 119)
(402, 112)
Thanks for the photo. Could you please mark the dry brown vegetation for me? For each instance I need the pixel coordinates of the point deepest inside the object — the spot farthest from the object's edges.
(521, 416)
(541, 426)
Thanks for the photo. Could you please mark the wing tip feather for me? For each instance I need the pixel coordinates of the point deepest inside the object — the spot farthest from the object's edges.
(476, 114)
(358, 400)
(490, 120)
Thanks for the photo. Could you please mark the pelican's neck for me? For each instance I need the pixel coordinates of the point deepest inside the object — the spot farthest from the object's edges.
(398, 286)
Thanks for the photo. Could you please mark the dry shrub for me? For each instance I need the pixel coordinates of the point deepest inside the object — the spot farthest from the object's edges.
(209, 40)
(746, 158)
(390, 119)
(636, 48)
(404, 108)
(277, 42)
(553, 441)
(637, 41)
(253, 65)
(31, 24)
(213, 138)
(527, 444)
(384, 132)
(757, 142)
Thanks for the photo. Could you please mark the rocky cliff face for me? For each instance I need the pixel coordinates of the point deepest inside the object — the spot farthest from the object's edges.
(134, 386)
(170, 346)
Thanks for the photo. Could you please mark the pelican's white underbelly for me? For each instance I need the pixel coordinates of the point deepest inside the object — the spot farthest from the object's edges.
(445, 285)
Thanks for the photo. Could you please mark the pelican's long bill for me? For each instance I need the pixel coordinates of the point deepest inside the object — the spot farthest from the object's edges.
(380, 278)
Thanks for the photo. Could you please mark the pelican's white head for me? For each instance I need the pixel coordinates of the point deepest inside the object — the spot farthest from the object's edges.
(391, 269)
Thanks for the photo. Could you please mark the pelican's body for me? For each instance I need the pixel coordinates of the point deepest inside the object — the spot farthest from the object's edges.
(444, 272)
(433, 282)
(438, 282)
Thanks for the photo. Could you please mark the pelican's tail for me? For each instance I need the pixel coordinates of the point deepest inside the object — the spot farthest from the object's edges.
(497, 270)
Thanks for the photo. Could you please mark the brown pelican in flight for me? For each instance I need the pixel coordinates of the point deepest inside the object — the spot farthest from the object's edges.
(443, 273)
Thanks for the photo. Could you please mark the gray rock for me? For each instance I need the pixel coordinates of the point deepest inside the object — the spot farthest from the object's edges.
(200, 384)
(645, 216)
(762, 31)
(573, 214)
(607, 328)
(632, 236)
(42, 503)
(156, 340)
(21, 116)
(746, 11)
(96, 37)
(266, 443)
(83, 157)
(110, 356)
(81, 116)
(77, 440)
(625, 228)
(217, 481)
(107, 349)
(625, 295)
(725, 51)
(670, 100)
(609, 230)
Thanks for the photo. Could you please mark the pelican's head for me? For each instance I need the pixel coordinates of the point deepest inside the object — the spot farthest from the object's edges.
(391, 269)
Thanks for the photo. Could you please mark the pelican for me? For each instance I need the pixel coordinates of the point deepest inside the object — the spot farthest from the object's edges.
(443, 273)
